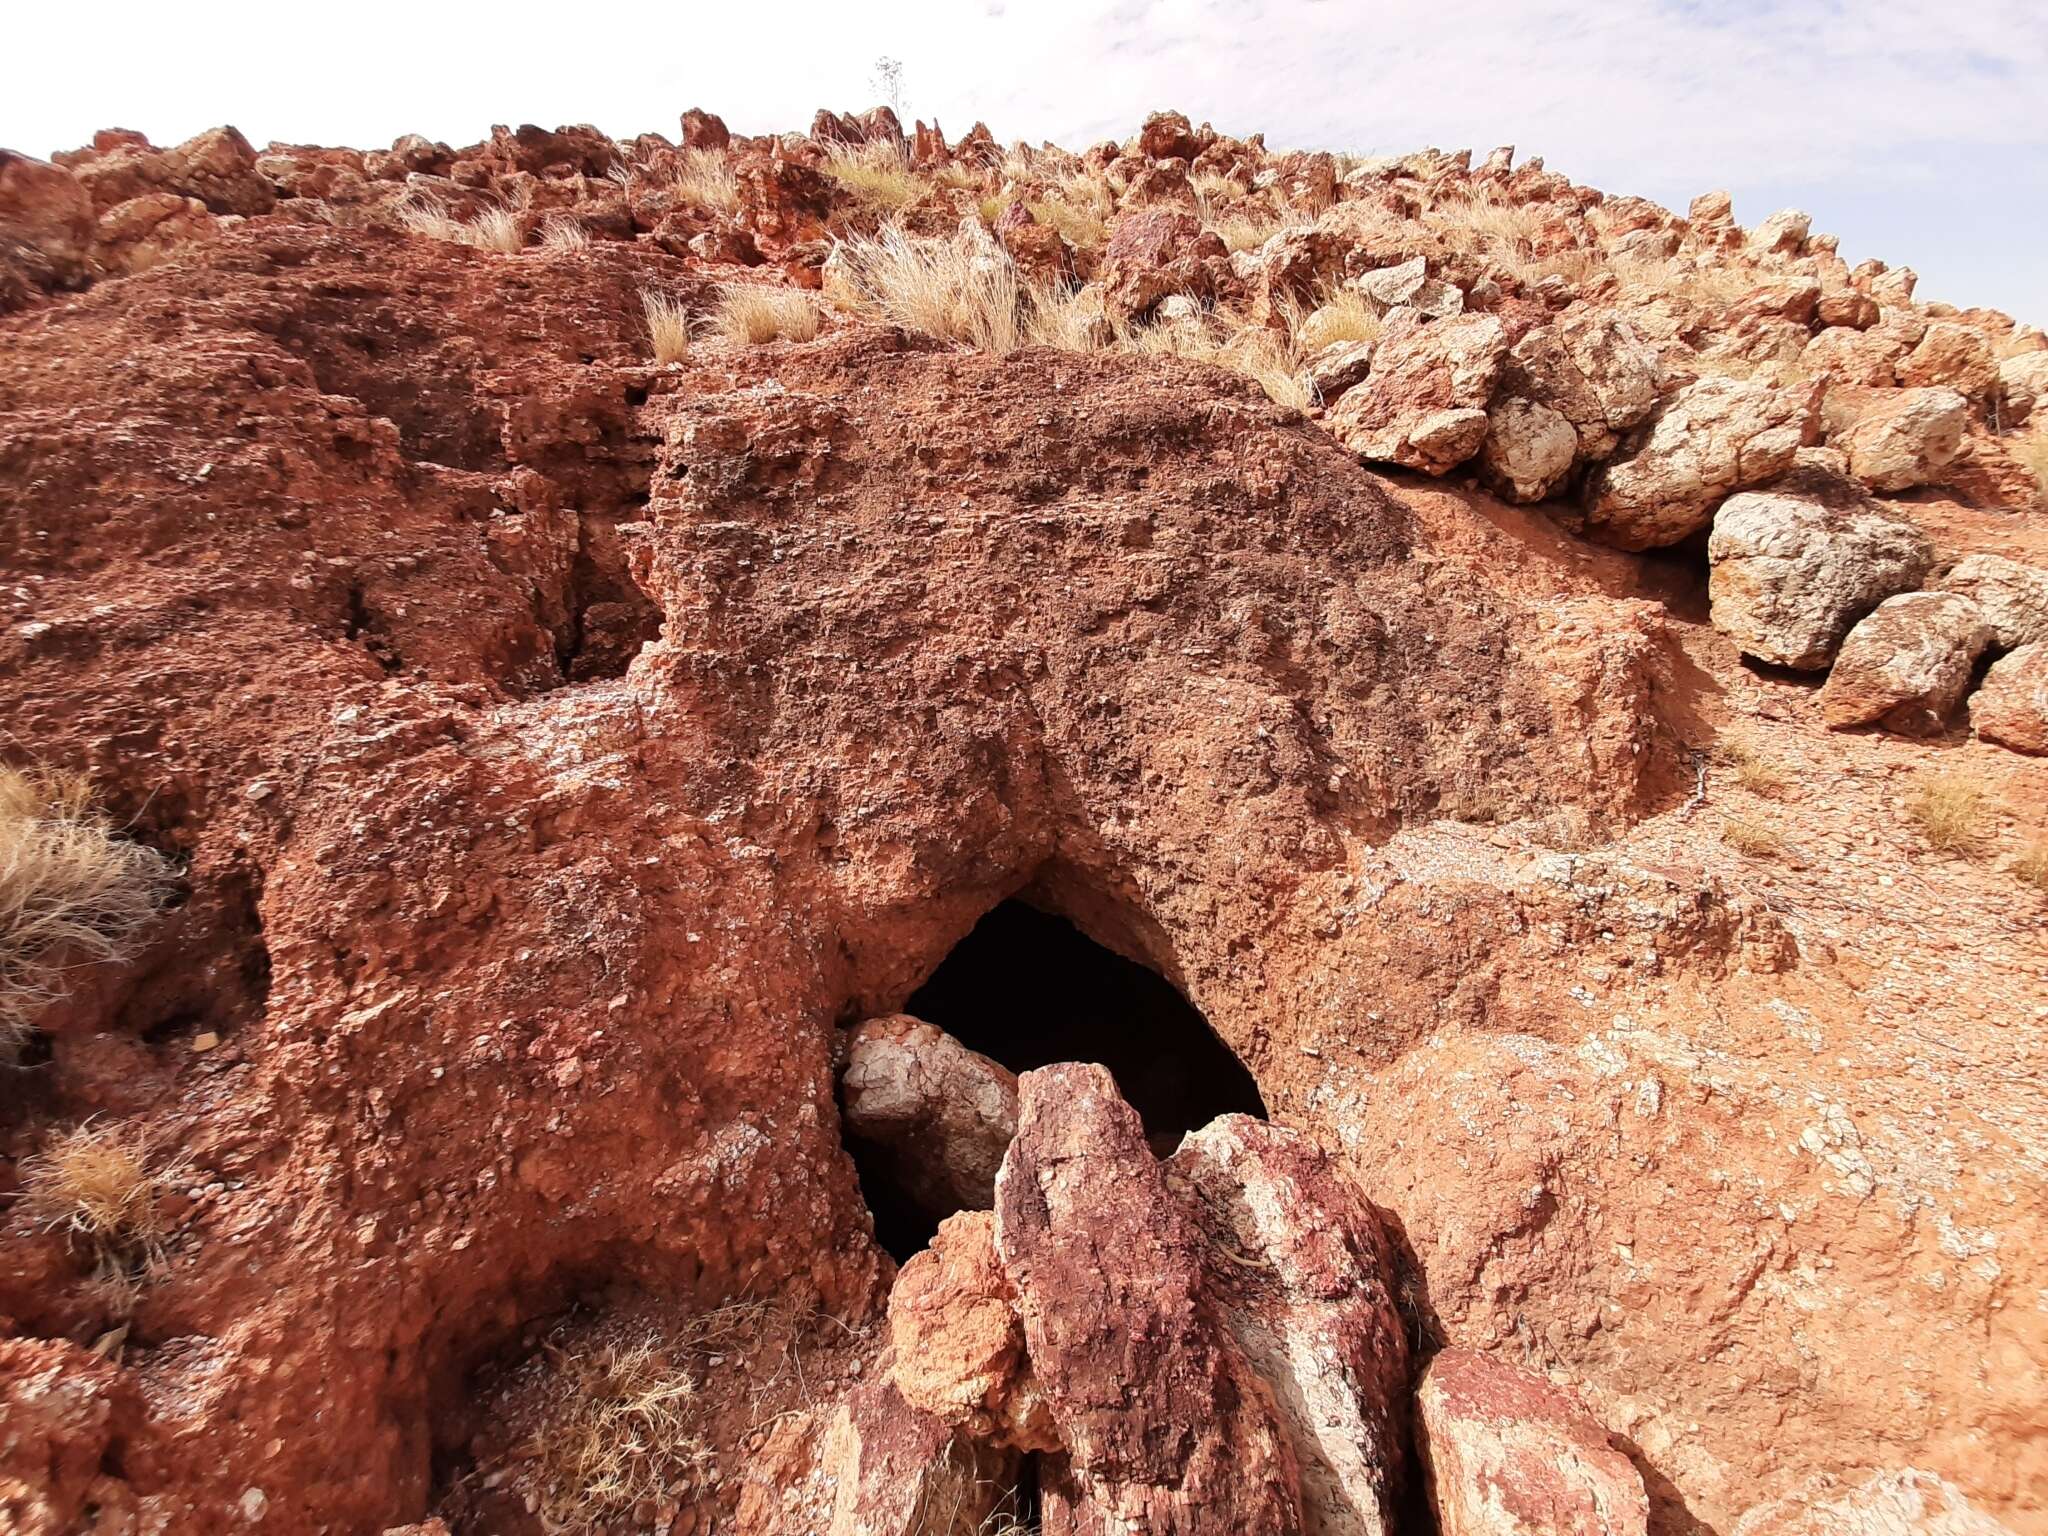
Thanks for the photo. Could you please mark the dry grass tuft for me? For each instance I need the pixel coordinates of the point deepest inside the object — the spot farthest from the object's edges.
(668, 326)
(615, 1432)
(95, 1184)
(955, 288)
(563, 236)
(752, 314)
(1248, 229)
(1485, 223)
(495, 229)
(1758, 774)
(2031, 864)
(72, 892)
(1342, 314)
(1082, 227)
(1751, 839)
(704, 178)
(1265, 356)
(878, 175)
(1950, 811)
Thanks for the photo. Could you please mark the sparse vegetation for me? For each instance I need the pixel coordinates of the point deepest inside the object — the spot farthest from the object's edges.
(495, 229)
(1949, 809)
(615, 1431)
(704, 178)
(668, 326)
(877, 174)
(99, 1184)
(1083, 226)
(752, 314)
(2031, 864)
(72, 892)
(2031, 450)
(1751, 838)
(1249, 229)
(1755, 772)
(561, 236)
(1342, 314)
(1261, 354)
(956, 289)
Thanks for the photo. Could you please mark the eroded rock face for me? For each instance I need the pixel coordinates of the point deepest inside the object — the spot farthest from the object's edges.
(1905, 667)
(1789, 574)
(902, 1472)
(944, 1113)
(46, 229)
(1509, 1454)
(2010, 707)
(1424, 403)
(1909, 1503)
(1529, 450)
(1157, 253)
(1591, 368)
(1711, 439)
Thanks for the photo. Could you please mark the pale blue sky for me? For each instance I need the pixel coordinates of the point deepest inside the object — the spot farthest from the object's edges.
(1917, 130)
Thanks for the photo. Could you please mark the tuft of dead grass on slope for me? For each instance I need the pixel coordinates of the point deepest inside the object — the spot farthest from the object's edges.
(72, 892)
(495, 229)
(564, 236)
(100, 1185)
(753, 314)
(953, 288)
(2031, 863)
(615, 1432)
(704, 178)
(1951, 812)
(878, 175)
(668, 326)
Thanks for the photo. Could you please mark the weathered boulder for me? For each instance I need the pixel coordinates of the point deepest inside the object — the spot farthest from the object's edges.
(1409, 284)
(1783, 233)
(1906, 437)
(1865, 358)
(2012, 597)
(136, 235)
(1339, 366)
(217, 167)
(1590, 367)
(704, 130)
(1424, 403)
(1955, 355)
(1529, 450)
(1788, 574)
(943, 1114)
(2023, 378)
(2010, 707)
(1168, 136)
(1908, 1503)
(957, 1344)
(1157, 252)
(1712, 438)
(1165, 1426)
(1509, 1454)
(1905, 666)
(902, 1472)
(46, 229)
(1314, 1313)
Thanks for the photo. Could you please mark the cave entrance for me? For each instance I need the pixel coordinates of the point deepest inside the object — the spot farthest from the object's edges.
(1027, 988)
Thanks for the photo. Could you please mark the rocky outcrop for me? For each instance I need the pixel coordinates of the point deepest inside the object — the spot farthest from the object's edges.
(1591, 368)
(46, 229)
(902, 1472)
(1423, 405)
(1907, 665)
(1509, 1454)
(2010, 707)
(1789, 574)
(1157, 253)
(1906, 438)
(1711, 439)
(1953, 356)
(942, 1115)
(1529, 450)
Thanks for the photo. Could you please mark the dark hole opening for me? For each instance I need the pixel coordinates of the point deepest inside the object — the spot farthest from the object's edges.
(1027, 989)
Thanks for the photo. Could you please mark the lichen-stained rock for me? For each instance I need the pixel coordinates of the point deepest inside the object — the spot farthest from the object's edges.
(46, 229)
(1906, 665)
(957, 1343)
(1789, 573)
(902, 1472)
(1303, 1272)
(1158, 252)
(1711, 439)
(942, 1114)
(2010, 706)
(1529, 450)
(1905, 438)
(1591, 367)
(2012, 597)
(1907, 1503)
(1165, 1426)
(1424, 403)
(1509, 1454)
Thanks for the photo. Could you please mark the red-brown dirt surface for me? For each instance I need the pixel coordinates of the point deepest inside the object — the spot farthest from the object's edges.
(560, 748)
